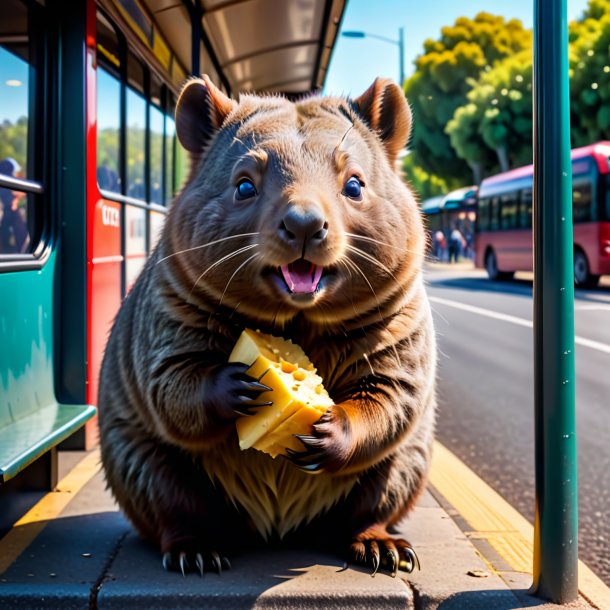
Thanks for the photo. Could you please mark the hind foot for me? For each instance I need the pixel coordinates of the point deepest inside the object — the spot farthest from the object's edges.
(197, 560)
(376, 549)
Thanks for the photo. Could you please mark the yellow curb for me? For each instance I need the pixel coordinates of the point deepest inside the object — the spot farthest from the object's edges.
(46, 509)
(495, 520)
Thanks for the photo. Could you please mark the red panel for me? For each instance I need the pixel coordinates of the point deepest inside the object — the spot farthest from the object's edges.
(103, 242)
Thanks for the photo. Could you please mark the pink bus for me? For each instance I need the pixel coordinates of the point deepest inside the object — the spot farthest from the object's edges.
(503, 237)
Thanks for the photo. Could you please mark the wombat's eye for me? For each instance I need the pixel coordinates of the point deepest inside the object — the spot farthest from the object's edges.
(353, 188)
(245, 189)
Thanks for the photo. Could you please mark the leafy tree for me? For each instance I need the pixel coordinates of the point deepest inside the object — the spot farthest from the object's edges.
(590, 74)
(422, 183)
(444, 75)
(14, 140)
(497, 117)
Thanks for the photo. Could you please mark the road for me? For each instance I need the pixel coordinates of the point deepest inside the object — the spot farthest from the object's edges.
(486, 390)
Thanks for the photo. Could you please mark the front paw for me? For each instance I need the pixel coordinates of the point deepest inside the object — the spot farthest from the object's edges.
(234, 393)
(328, 447)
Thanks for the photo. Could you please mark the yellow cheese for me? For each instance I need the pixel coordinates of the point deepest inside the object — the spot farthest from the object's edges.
(299, 398)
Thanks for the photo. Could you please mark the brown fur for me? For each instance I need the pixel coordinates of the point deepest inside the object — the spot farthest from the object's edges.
(168, 399)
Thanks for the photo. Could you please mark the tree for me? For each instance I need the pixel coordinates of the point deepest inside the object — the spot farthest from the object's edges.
(14, 140)
(445, 73)
(590, 74)
(422, 183)
(497, 118)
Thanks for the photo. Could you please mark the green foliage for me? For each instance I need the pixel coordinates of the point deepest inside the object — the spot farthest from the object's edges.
(13, 141)
(422, 183)
(443, 77)
(590, 74)
(498, 116)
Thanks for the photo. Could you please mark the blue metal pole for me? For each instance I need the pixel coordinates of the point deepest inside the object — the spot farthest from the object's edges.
(556, 520)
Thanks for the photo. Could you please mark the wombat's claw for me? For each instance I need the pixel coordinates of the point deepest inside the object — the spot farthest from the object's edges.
(388, 554)
(408, 564)
(215, 562)
(249, 408)
(302, 459)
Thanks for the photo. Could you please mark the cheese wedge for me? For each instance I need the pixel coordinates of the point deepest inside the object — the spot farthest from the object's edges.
(298, 395)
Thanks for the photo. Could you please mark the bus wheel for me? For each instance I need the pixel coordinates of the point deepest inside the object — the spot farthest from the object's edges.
(583, 278)
(491, 266)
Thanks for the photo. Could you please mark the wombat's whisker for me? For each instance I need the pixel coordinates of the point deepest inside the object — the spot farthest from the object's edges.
(366, 279)
(235, 273)
(372, 259)
(211, 243)
(222, 260)
(375, 241)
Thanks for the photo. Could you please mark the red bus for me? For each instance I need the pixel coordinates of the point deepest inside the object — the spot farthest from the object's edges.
(503, 237)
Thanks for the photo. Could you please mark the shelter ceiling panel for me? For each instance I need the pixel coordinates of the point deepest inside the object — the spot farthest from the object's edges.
(262, 71)
(238, 30)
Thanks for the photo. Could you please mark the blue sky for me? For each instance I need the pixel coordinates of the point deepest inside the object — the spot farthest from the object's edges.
(356, 61)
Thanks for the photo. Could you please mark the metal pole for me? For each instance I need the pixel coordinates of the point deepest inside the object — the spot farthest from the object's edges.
(556, 520)
(401, 64)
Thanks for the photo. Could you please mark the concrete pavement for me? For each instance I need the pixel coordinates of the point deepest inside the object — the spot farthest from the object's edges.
(75, 550)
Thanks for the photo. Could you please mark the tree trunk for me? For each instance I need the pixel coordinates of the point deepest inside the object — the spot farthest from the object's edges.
(502, 153)
(477, 171)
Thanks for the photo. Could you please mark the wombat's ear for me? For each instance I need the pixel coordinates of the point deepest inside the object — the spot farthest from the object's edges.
(384, 108)
(200, 111)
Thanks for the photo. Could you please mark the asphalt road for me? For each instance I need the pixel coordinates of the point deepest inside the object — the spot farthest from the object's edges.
(486, 396)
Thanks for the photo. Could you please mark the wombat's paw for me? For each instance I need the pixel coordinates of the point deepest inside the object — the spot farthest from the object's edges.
(234, 392)
(201, 561)
(328, 447)
(376, 549)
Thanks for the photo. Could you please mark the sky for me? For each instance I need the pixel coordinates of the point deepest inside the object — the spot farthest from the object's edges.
(356, 62)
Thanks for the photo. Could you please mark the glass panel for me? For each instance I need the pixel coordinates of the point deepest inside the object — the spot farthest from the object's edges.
(509, 211)
(483, 215)
(108, 119)
(17, 215)
(107, 43)
(582, 201)
(135, 243)
(20, 217)
(526, 209)
(136, 138)
(494, 215)
(156, 155)
(15, 74)
(156, 225)
(170, 137)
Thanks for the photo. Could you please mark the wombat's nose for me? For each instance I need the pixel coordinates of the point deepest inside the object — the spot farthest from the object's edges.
(303, 225)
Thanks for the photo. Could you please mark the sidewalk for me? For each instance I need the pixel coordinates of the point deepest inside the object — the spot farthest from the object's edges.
(75, 550)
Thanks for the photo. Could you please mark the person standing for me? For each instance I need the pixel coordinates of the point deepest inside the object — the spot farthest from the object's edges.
(14, 234)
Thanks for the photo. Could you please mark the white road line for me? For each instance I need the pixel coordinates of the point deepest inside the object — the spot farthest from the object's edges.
(601, 347)
(592, 307)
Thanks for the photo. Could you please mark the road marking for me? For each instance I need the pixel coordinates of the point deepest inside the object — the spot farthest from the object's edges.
(592, 307)
(600, 347)
(491, 517)
(46, 509)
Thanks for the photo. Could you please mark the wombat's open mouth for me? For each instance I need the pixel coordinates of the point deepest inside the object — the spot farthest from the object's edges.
(301, 276)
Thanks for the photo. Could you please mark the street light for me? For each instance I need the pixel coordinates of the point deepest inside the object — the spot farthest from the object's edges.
(399, 43)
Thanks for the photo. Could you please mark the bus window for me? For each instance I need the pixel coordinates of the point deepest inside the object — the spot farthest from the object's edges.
(494, 214)
(136, 140)
(108, 141)
(170, 174)
(156, 155)
(20, 223)
(525, 209)
(483, 215)
(508, 211)
(582, 201)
